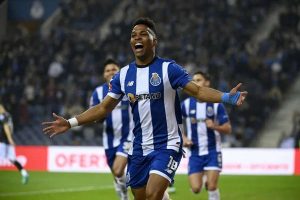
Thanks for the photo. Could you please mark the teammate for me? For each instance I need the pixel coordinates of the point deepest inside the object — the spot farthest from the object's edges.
(150, 83)
(117, 130)
(204, 123)
(7, 144)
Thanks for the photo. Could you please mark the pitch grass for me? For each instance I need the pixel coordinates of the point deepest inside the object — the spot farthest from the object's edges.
(92, 186)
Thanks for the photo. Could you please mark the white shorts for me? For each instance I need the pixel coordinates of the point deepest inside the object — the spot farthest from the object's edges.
(7, 151)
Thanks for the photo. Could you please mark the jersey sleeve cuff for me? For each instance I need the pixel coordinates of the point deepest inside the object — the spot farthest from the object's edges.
(184, 83)
(113, 95)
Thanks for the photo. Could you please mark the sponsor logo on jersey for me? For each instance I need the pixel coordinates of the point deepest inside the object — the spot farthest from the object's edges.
(152, 96)
(131, 97)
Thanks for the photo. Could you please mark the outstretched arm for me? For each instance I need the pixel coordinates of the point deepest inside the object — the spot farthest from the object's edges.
(98, 112)
(207, 94)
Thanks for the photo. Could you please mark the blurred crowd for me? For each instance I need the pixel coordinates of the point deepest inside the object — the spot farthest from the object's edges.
(57, 73)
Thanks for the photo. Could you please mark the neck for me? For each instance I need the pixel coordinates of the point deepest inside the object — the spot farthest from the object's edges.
(144, 61)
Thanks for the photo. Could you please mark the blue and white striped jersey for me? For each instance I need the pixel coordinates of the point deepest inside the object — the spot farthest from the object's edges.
(152, 93)
(118, 125)
(204, 140)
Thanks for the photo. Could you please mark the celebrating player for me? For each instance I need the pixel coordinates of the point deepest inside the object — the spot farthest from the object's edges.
(204, 123)
(117, 130)
(150, 83)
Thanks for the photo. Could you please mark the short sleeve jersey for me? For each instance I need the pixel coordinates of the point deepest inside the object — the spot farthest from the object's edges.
(152, 92)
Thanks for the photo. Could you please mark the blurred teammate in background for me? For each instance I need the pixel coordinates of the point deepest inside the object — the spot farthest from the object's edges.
(150, 83)
(117, 130)
(7, 144)
(204, 123)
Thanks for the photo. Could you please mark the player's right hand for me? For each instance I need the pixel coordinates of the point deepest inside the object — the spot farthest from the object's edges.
(60, 125)
(242, 96)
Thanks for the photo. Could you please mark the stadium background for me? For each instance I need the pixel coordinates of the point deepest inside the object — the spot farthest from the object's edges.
(51, 55)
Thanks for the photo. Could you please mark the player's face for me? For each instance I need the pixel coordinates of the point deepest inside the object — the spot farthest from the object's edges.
(109, 71)
(142, 42)
(199, 79)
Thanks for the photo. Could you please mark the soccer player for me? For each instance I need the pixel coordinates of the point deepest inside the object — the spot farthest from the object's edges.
(7, 144)
(117, 130)
(204, 123)
(150, 83)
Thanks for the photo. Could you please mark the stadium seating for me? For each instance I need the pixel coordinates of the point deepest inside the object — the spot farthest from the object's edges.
(207, 35)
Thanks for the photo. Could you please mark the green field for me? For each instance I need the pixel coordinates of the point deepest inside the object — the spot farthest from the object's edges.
(91, 186)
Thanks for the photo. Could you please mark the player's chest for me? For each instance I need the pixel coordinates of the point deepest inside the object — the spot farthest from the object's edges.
(145, 86)
(197, 113)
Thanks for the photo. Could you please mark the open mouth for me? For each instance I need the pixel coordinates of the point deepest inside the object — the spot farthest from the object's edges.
(138, 46)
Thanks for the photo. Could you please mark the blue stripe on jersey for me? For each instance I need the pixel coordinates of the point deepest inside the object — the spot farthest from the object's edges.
(137, 131)
(125, 120)
(210, 132)
(222, 114)
(159, 121)
(178, 109)
(95, 100)
(194, 124)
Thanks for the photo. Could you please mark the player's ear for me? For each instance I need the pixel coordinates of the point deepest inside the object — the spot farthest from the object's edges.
(155, 42)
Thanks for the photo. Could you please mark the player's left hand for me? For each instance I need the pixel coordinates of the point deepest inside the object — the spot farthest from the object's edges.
(242, 96)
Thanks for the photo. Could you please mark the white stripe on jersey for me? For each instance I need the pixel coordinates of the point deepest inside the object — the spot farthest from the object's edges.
(201, 128)
(117, 124)
(217, 134)
(188, 119)
(123, 73)
(142, 87)
(104, 137)
(169, 102)
(100, 93)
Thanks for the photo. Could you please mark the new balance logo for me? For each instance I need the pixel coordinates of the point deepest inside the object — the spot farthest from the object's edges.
(130, 83)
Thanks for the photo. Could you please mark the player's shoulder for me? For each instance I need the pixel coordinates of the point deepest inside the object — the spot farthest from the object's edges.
(126, 67)
(167, 60)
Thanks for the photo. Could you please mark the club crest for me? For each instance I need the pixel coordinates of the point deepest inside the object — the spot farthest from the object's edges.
(209, 111)
(155, 79)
